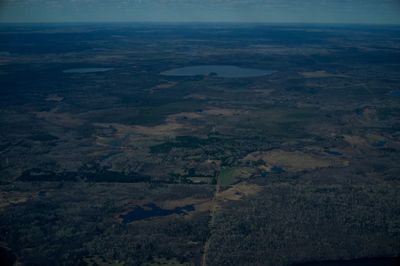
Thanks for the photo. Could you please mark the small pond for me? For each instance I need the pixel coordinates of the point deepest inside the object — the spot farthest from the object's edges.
(277, 169)
(395, 93)
(224, 71)
(333, 152)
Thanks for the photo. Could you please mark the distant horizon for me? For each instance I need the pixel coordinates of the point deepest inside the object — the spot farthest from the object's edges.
(368, 12)
(202, 22)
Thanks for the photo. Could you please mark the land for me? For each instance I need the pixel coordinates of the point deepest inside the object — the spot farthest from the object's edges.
(298, 166)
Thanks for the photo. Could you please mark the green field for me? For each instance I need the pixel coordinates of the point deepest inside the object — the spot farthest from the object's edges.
(228, 176)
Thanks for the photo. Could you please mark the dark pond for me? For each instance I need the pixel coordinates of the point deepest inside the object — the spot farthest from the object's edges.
(277, 169)
(152, 210)
(87, 70)
(358, 262)
(223, 71)
(395, 93)
(379, 144)
(7, 258)
(332, 152)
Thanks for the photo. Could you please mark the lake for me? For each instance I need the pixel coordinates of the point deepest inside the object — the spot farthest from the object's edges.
(223, 71)
(87, 70)
(152, 210)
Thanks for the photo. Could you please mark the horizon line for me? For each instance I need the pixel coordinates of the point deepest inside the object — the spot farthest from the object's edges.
(203, 22)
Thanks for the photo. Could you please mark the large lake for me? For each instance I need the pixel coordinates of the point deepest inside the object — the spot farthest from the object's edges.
(87, 70)
(224, 71)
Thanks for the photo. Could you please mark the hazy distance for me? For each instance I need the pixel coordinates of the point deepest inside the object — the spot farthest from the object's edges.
(291, 11)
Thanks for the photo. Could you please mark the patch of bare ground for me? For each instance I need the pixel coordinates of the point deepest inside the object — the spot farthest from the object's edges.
(196, 97)
(171, 128)
(320, 74)
(65, 120)
(294, 161)
(357, 141)
(216, 111)
(237, 192)
(279, 50)
(11, 198)
(165, 85)
(54, 98)
(174, 125)
(201, 205)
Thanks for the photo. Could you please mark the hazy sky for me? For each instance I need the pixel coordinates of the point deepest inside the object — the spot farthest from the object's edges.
(324, 11)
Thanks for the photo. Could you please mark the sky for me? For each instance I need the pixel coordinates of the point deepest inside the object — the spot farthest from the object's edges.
(269, 11)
